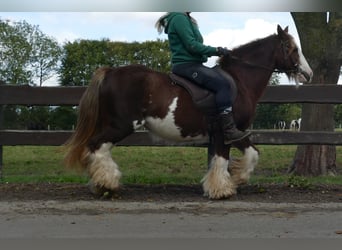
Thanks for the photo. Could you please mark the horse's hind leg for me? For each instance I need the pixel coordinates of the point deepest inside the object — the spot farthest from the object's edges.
(103, 171)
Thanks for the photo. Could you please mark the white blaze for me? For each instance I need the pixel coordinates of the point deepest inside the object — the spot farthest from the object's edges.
(303, 64)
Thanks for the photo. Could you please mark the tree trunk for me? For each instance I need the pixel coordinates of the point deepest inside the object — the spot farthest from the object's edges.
(321, 44)
(314, 160)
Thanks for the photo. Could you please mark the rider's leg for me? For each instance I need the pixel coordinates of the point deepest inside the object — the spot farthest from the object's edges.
(212, 80)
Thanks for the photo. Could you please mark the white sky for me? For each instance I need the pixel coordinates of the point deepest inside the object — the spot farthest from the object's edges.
(139, 26)
(226, 29)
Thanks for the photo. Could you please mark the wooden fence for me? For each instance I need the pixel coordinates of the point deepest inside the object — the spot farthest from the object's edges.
(59, 96)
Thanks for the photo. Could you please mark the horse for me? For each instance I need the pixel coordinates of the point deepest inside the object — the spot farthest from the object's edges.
(295, 124)
(281, 125)
(120, 99)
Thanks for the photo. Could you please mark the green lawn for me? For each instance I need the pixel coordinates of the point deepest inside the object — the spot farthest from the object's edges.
(150, 165)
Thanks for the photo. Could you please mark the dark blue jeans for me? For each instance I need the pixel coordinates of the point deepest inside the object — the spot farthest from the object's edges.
(207, 78)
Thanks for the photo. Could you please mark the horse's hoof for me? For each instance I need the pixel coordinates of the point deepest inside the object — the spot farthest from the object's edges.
(220, 195)
(100, 191)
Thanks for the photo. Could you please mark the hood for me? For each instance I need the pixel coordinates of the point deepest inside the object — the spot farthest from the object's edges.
(168, 18)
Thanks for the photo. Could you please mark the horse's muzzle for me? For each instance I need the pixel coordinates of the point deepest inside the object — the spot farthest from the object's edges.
(304, 76)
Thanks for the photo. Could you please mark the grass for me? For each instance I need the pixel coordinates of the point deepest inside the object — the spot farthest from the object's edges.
(35, 164)
(152, 165)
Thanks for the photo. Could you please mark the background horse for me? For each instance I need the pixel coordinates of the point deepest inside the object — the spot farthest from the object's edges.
(281, 125)
(118, 100)
(295, 124)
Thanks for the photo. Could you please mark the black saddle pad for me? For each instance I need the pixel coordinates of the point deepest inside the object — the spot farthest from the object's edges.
(203, 98)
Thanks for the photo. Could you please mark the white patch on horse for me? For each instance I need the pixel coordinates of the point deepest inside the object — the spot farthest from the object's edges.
(103, 171)
(241, 168)
(251, 157)
(166, 127)
(304, 66)
(138, 124)
(217, 183)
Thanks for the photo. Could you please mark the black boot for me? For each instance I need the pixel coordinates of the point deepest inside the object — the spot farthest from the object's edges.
(230, 132)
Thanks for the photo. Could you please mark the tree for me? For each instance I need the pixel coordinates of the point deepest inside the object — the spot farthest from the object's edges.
(321, 39)
(46, 54)
(81, 58)
(15, 51)
(26, 54)
(33, 117)
(153, 54)
(63, 117)
(338, 116)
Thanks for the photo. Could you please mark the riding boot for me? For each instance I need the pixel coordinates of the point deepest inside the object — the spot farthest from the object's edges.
(230, 132)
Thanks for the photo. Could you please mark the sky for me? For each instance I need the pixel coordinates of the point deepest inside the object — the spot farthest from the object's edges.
(226, 29)
(139, 26)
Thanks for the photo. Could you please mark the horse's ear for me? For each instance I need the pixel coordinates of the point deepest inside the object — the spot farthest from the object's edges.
(282, 32)
(279, 29)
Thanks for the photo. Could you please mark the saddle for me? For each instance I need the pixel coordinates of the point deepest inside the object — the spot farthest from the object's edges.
(204, 99)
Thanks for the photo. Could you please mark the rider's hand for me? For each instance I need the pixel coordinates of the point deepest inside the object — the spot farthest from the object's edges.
(223, 51)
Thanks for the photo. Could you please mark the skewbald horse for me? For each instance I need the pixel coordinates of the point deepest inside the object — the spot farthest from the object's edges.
(118, 100)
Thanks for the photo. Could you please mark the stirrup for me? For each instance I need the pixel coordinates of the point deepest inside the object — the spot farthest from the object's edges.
(231, 140)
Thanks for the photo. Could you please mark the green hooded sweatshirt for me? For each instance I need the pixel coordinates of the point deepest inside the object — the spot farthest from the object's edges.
(185, 40)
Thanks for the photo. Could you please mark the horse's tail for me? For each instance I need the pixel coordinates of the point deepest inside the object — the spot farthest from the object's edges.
(88, 112)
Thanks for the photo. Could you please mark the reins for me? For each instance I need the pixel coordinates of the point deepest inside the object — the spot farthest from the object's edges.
(284, 45)
(264, 67)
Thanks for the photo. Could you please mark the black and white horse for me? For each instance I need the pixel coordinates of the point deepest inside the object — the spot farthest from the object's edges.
(295, 124)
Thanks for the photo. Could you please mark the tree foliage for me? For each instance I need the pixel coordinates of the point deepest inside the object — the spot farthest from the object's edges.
(268, 115)
(27, 55)
(46, 54)
(82, 57)
(15, 51)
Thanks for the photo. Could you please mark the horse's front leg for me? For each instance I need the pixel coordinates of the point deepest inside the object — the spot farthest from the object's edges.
(218, 183)
(242, 168)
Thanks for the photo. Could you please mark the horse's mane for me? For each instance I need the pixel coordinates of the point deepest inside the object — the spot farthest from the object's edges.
(246, 49)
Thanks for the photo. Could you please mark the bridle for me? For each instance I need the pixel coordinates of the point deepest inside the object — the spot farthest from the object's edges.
(285, 47)
(289, 71)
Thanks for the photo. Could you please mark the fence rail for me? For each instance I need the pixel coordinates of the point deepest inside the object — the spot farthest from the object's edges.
(26, 95)
(59, 96)
(143, 138)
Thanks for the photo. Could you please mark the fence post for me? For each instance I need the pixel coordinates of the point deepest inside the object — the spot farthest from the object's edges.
(1, 149)
(0, 163)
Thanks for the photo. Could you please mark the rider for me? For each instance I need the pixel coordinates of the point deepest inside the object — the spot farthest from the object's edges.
(188, 53)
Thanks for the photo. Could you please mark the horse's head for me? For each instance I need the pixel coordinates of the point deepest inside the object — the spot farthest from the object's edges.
(290, 60)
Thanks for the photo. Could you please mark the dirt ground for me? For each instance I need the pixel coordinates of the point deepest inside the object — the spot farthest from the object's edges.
(166, 193)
